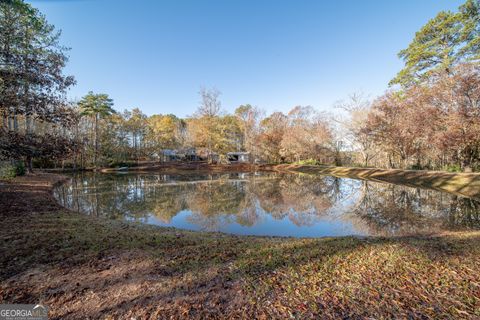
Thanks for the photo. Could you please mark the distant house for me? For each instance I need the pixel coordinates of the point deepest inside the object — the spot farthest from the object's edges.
(183, 154)
(206, 154)
(169, 155)
(190, 154)
(238, 157)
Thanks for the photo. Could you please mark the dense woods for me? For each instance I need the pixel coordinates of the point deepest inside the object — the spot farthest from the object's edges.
(33, 88)
(428, 119)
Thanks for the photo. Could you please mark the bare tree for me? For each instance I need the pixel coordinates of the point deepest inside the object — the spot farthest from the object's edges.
(358, 107)
(249, 117)
(210, 104)
(307, 135)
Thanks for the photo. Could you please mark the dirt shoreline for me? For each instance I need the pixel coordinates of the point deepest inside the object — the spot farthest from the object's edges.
(91, 268)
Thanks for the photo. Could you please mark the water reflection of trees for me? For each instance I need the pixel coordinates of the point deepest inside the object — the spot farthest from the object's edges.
(214, 200)
(302, 199)
(464, 212)
(387, 209)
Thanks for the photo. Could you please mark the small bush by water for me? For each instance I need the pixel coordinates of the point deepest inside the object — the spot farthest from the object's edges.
(308, 162)
(10, 171)
(452, 168)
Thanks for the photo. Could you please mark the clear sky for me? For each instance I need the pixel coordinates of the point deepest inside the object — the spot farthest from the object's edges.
(274, 54)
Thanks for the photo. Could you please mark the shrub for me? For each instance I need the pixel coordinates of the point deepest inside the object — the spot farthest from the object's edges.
(9, 171)
(117, 164)
(452, 168)
(416, 167)
(308, 162)
(43, 163)
(20, 168)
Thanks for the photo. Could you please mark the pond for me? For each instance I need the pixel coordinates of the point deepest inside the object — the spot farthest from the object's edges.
(269, 204)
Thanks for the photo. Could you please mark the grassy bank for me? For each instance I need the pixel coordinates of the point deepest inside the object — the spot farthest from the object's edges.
(466, 184)
(84, 267)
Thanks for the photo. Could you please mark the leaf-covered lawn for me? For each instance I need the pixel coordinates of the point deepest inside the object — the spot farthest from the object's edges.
(84, 267)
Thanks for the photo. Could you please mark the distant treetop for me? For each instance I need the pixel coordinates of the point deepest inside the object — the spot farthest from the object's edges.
(445, 41)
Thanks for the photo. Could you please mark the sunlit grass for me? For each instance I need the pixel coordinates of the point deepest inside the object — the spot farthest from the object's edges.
(97, 268)
(381, 277)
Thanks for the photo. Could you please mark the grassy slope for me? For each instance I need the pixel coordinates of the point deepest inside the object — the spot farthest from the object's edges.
(87, 267)
(467, 184)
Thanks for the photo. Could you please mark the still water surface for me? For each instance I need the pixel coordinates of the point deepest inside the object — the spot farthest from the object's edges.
(269, 204)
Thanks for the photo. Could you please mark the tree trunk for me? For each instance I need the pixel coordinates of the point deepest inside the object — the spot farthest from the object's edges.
(15, 121)
(82, 163)
(5, 120)
(29, 164)
(95, 141)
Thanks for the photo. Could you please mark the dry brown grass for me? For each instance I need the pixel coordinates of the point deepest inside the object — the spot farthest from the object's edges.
(83, 267)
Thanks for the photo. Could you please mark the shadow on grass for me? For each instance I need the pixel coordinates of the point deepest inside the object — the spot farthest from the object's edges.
(119, 267)
(164, 270)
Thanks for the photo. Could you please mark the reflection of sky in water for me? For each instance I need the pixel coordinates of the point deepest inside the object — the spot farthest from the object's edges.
(269, 204)
(265, 226)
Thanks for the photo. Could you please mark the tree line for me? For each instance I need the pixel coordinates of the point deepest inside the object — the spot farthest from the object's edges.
(113, 138)
(429, 118)
(33, 88)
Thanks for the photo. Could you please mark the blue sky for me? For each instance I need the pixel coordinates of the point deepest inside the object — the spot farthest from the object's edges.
(274, 54)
